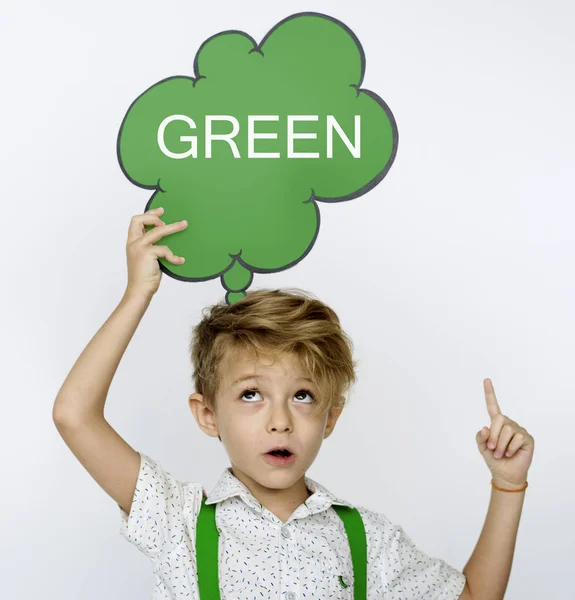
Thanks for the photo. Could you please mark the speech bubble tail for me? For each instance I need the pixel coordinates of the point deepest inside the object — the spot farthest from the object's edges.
(236, 280)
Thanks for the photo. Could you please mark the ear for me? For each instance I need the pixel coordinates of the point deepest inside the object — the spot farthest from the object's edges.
(332, 417)
(204, 416)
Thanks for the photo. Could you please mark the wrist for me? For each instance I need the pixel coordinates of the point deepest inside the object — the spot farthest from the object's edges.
(133, 295)
(508, 485)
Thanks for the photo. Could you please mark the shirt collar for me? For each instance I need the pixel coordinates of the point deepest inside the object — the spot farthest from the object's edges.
(229, 485)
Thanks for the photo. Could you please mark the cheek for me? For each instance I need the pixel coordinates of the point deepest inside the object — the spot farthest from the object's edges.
(241, 430)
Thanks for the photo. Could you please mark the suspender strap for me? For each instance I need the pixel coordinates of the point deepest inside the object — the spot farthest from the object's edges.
(207, 539)
(355, 530)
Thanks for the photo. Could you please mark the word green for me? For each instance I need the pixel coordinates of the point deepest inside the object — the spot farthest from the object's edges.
(331, 124)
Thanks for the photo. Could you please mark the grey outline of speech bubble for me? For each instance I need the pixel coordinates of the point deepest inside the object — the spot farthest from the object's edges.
(360, 192)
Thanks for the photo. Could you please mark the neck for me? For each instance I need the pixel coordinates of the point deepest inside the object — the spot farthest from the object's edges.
(281, 502)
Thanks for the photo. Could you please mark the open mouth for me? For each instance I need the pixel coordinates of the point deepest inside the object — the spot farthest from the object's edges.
(284, 453)
(280, 458)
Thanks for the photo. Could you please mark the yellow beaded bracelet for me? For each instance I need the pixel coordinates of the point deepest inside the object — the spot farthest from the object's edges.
(504, 490)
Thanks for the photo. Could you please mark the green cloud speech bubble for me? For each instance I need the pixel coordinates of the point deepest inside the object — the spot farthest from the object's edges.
(247, 148)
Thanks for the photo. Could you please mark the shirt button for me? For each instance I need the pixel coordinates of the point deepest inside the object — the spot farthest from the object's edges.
(286, 534)
(345, 580)
(291, 596)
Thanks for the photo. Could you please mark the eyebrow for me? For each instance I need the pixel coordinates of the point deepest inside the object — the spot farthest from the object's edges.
(254, 376)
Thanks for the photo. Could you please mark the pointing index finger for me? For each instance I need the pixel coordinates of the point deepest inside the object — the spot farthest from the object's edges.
(490, 399)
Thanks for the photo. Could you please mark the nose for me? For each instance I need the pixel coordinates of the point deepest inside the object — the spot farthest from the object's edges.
(280, 417)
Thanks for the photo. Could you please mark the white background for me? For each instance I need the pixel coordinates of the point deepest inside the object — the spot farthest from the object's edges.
(458, 266)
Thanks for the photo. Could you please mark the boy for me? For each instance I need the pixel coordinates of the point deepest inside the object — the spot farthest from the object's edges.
(270, 372)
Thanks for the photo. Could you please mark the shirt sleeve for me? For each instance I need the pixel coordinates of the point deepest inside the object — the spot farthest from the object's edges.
(404, 571)
(157, 509)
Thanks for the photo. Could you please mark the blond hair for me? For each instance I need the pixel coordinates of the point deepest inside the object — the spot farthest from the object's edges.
(273, 321)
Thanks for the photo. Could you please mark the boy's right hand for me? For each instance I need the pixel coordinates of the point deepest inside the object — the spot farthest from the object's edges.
(144, 273)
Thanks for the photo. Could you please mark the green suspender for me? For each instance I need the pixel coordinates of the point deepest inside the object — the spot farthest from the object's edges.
(358, 545)
(207, 538)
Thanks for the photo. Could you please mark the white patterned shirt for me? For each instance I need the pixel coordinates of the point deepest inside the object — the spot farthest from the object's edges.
(262, 558)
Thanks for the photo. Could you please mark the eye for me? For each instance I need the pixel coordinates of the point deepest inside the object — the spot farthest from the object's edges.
(248, 391)
(308, 393)
(255, 390)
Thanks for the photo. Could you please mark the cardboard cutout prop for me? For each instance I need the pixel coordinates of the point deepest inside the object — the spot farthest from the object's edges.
(247, 148)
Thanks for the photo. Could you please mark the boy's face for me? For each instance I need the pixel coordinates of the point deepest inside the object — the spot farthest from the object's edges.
(279, 413)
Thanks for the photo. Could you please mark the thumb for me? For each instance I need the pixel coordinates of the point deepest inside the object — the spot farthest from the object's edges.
(481, 438)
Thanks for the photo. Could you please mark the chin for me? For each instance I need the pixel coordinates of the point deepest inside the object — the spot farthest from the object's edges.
(269, 476)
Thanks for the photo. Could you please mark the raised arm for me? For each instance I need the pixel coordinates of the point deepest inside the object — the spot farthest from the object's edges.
(78, 411)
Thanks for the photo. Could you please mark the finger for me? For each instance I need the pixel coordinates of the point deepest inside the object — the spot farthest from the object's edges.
(516, 442)
(159, 232)
(482, 437)
(507, 432)
(138, 223)
(490, 399)
(165, 252)
(497, 423)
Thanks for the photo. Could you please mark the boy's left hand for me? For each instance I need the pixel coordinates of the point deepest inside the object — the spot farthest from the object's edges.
(506, 446)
